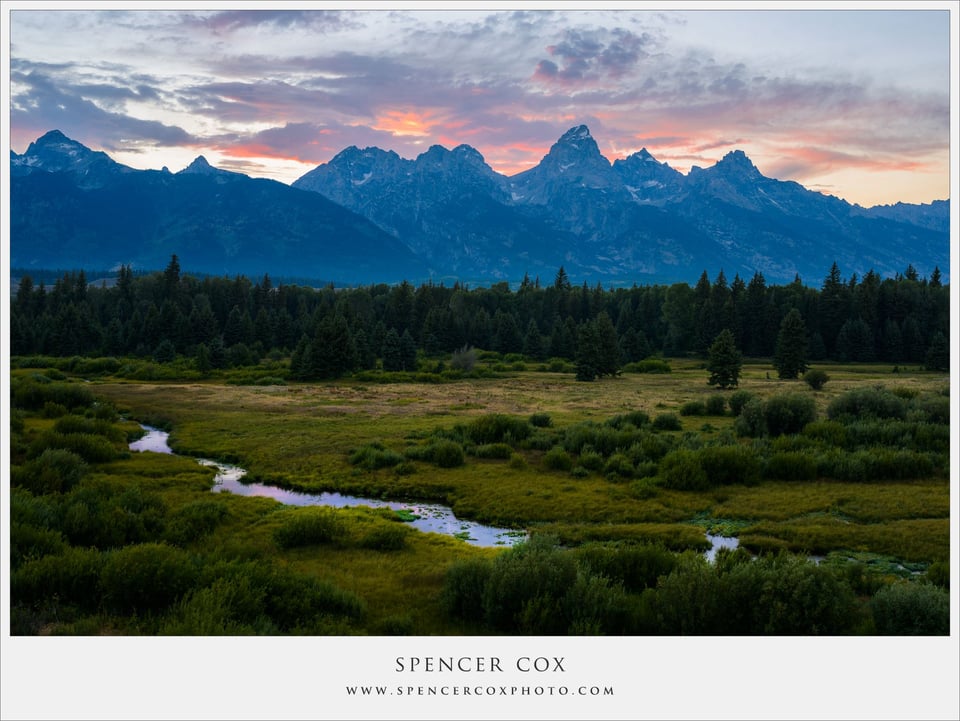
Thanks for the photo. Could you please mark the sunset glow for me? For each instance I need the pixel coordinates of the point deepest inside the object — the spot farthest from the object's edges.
(854, 103)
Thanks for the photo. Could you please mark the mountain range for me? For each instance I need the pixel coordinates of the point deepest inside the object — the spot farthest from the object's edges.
(369, 215)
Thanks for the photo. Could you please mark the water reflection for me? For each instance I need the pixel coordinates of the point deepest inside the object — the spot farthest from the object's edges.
(431, 517)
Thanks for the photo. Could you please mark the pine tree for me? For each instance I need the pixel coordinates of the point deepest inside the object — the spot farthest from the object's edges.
(587, 361)
(391, 351)
(201, 359)
(938, 354)
(332, 352)
(790, 358)
(533, 341)
(408, 352)
(608, 346)
(724, 361)
(298, 359)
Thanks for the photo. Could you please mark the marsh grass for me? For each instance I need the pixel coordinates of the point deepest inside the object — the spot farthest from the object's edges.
(356, 437)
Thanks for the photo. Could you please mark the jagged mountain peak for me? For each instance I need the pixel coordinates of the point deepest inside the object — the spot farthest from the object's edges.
(574, 158)
(462, 154)
(578, 140)
(736, 161)
(53, 137)
(576, 134)
(200, 166)
(54, 151)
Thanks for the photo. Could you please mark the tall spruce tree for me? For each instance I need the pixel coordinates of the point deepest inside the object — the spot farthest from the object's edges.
(938, 354)
(790, 357)
(724, 361)
(587, 362)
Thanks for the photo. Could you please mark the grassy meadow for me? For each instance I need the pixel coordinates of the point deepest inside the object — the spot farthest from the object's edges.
(642, 465)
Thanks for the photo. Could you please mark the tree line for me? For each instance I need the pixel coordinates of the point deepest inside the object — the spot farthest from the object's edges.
(236, 321)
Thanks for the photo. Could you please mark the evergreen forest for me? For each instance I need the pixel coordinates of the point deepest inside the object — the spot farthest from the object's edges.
(223, 322)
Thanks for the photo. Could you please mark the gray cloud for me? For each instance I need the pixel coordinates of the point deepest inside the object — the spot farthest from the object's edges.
(47, 104)
(508, 83)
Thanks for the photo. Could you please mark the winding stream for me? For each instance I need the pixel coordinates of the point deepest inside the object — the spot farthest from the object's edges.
(430, 517)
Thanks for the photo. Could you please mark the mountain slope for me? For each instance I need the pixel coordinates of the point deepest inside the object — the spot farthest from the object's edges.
(371, 216)
(88, 213)
(633, 220)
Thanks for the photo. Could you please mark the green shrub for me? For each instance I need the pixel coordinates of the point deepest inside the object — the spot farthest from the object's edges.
(194, 521)
(464, 589)
(681, 469)
(831, 433)
(32, 395)
(493, 450)
(39, 511)
(934, 409)
(738, 400)
(790, 466)
(816, 378)
(498, 428)
(725, 465)
(867, 403)
(308, 526)
(693, 408)
(384, 537)
(637, 419)
(146, 577)
(108, 514)
(540, 440)
(580, 436)
(911, 609)
(557, 459)
(89, 426)
(92, 448)
(591, 460)
(55, 471)
(294, 601)
(667, 422)
(751, 422)
(788, 413)
(72, 577)
(618, 465)
(373, 456)
(96, 366)
(398, 625)
(938, 573)
(446, 454)
(17, 421)
(525, 592)
(796, 597)
(716, 405)
(875, 464)
(30, 542)
(635, 566)
(597, 606)
(53, 410)
(541, 420)
(227, 607)
(650, 365)
(650, 447)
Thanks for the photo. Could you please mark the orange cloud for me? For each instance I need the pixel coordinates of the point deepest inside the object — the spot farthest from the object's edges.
(407, 122)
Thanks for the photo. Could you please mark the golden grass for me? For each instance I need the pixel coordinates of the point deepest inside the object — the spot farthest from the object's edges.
(300, 435)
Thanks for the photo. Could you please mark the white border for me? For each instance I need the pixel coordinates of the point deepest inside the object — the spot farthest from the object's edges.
(304, 678)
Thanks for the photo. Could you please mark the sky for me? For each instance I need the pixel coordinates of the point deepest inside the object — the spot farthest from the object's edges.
(854, 103)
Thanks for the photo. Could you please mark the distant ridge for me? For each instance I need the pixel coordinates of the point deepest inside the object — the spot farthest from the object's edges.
(369, 215)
